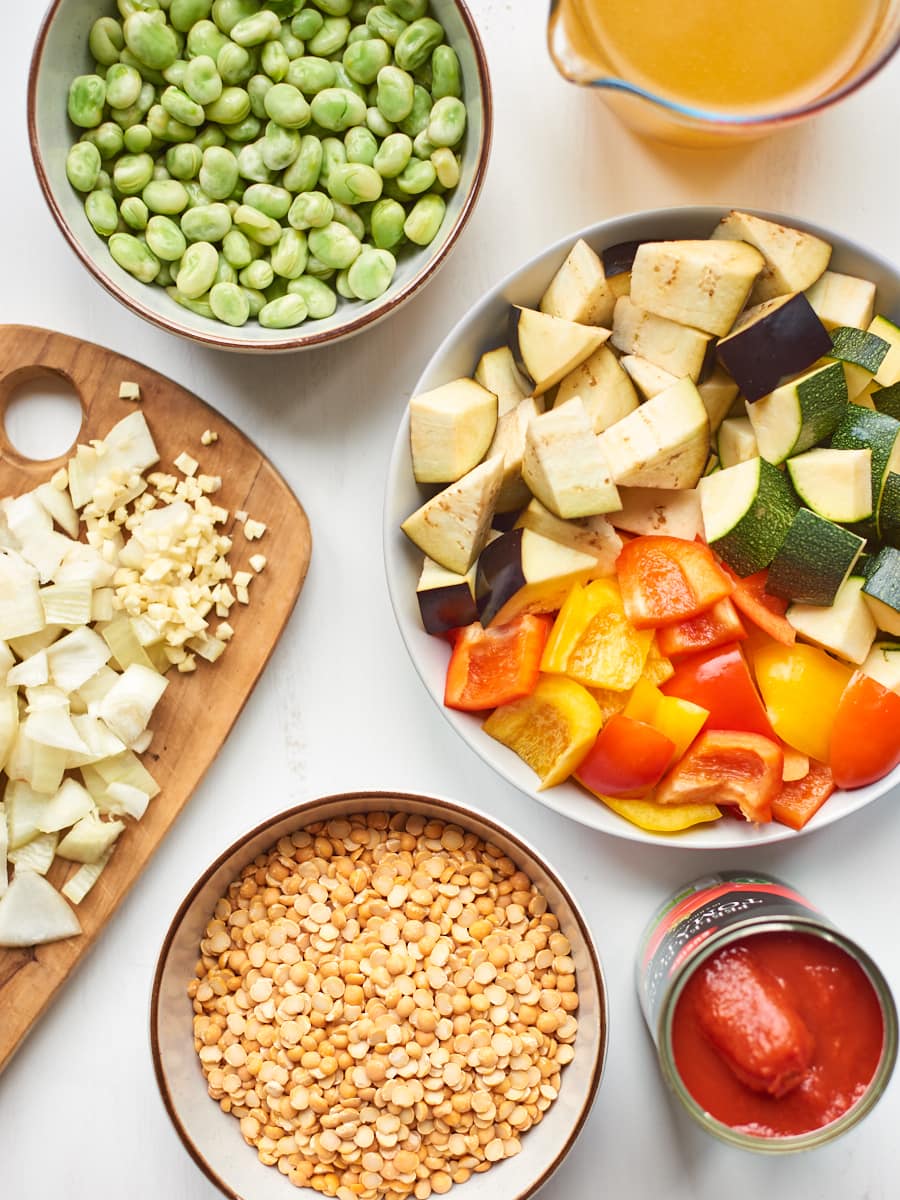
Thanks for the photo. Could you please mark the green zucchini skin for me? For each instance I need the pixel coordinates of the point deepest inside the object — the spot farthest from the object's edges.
(814, 560)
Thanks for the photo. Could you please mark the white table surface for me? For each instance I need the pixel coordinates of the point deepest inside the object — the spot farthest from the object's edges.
(340, 706)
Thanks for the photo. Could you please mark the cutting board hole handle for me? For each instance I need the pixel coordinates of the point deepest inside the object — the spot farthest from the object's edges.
(42, 415)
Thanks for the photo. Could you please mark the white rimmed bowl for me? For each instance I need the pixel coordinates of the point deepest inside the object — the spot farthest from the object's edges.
(485, 326)
(213, 1138)
(61, 53)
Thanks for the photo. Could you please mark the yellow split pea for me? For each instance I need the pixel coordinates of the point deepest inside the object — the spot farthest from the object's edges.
(386, 1004)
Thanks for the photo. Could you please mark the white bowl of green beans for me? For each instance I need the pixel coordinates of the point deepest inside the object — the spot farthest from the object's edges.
(260, 174)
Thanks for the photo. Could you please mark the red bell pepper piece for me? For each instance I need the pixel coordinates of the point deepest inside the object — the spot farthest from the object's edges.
(719, 681)
(746, 1014)
(490, 667)
(715, 627)
(727, 767)
(800, 800)
(665, 579)
(865, 738)
(627, 759)
(766, 611)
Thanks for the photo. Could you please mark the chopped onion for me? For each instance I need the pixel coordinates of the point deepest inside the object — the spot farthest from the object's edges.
(9, 722)
(36, 855)
(122, 798)
(76, 657)
(128, 705)
(33, 912)
(59, 506)
(98, 737)
(84, 878)
(70, 804)
(68, 604)
(89, 838)
(31, 672)
(24, 809)
(21, 611)
(4, 848)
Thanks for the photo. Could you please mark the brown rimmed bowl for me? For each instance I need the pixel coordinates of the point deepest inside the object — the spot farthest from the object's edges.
(61, 53)
(213, 1138)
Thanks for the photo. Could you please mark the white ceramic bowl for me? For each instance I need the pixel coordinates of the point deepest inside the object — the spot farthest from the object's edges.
(213, 1138)
(61, 53)
(483, 327)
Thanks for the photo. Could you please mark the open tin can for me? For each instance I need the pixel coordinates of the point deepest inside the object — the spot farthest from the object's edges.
(717, 911)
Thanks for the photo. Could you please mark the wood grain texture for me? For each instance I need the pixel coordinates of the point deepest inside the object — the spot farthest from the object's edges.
(197, 710)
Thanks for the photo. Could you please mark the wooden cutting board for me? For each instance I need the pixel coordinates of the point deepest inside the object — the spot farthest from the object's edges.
(197, 710)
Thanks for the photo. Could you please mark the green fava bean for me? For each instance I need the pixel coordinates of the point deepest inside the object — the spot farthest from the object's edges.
(446, 77)
(303, 173)
(361, 145)
(307, 23)
(289, 254)
(258, 275)
(364, 59)
(123, 86)
(165, 196)
(418, 118)
(247, 130)
(337, 109)
(197, 272)
(209, 135)
(165, 276)
(378, 123)
(127, 7)
(345, 215)
(184, 14)
(87, 96)
(275, 60)
(417, 42)
(251, 165)
(446, 166)
(286, 105)
(408, 10)
(255, 298)
(104, 182)
(334, 152)
(279, 147)
(342, 283)
(257, 88)
(202, 81)
(184, 161)
(371, 274)
(234, 64)
(384, 24)
(102, 213)
(320, 300)
(256, 225)
(269, 199)
(205, 40)
(395, 93)
(105, 41)
(83, 163)
(343, 80)
(137, 139)
(310, 210)
(206, 223)
(151, 40)
(176, 73)
(447, 123)
(360, 10)
(425, 220)
(165, 239)
(330, 38)
(230, 108)
(200, 306)
(108, 138)
(334, 245)
(236, 249)
(134, 256)
(227, 13)
(134, 213)
(164, 126)
(422, 146)
(388, 217)
(354, 183)
(229, 303)
(181, 107)
(197, 198)
(256, 29)
(335, 8)
(416, 178)
(293, 46)
(283, 313)
(218, 173)
(317, 269)
(132, 173)
(311, 74)
(225, 272)
(393, 155)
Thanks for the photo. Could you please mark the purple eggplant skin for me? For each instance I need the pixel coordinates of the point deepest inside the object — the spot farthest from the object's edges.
(445, 608)
(499, 575)
(512, 338)
(783, 342)
(619, 258)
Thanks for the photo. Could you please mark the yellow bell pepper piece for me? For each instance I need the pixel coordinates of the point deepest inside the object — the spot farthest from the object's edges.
(593, 642)
(610, 702)
(679, 720)
(801, 686)
(661, 818)
(551, 730)
(657, 668)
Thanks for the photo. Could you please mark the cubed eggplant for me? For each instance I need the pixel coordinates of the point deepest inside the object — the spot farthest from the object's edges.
(446, 600)
(522, 571)
(772, 341)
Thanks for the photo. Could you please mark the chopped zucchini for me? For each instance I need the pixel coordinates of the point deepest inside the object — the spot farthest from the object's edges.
(889, 370)
(883, 665)
(836, 484)
(747, 512)
(814, 560)
(799, 414)
(846, 628)
(881, 590)
(860, 428)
